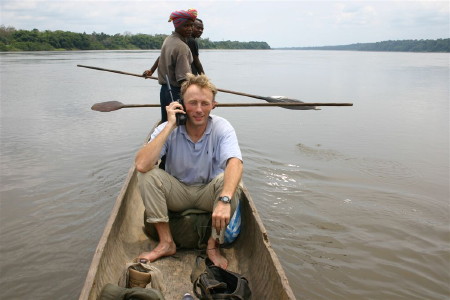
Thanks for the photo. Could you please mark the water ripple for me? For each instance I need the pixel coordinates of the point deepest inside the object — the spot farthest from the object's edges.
(378, 169)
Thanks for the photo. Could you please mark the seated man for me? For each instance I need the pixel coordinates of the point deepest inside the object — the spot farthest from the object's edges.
(203, 168)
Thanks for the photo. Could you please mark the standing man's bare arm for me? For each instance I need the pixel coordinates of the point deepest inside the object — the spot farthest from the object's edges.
(198, 65)
(152, 69)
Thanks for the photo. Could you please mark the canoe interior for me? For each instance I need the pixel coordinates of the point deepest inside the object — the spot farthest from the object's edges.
(124, 239)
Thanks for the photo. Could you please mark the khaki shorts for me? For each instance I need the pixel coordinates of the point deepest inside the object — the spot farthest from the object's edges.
(162, 192)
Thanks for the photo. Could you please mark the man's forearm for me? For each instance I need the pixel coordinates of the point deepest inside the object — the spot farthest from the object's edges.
(155, 65)
(148, 156)
(198, 65)
(232, 177)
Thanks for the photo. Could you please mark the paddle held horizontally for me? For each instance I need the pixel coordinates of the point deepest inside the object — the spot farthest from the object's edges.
(116, 105)
(270, 99)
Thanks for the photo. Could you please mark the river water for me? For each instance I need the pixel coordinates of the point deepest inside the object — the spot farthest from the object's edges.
(355, 199)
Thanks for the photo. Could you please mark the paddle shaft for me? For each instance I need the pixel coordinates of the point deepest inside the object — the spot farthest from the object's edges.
(118, 72)
(249, 104)
(155, 78)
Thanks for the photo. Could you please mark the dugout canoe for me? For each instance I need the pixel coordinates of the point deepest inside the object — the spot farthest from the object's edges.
(124, 239)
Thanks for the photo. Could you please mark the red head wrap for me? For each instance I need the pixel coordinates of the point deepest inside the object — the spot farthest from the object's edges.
(180, 16)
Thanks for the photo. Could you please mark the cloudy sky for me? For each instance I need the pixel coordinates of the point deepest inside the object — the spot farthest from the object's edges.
(279, 23)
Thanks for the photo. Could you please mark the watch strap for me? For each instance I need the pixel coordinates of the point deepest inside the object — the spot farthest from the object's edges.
(225, 199)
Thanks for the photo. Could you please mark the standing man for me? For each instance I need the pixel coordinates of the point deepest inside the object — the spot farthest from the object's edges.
(203, 168)
(196, 66)
(176, 57)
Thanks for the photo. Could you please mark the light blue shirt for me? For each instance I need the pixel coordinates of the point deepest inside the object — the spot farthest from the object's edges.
(200, 162)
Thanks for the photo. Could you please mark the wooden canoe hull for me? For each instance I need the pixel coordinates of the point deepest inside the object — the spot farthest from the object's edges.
(124, 239)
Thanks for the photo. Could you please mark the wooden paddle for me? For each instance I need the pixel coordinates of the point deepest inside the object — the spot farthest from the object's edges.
(116, 105)
(270, 99)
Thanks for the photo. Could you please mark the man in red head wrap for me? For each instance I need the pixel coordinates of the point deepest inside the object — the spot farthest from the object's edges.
(197, 67)
(175, 59)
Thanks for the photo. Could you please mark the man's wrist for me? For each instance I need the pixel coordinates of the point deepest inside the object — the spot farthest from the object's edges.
(225, 199)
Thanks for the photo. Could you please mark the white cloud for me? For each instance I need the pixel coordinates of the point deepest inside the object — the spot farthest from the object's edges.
(280, 23)
(355, 14)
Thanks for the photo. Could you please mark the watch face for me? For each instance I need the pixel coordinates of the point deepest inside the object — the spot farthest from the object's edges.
(225, 199)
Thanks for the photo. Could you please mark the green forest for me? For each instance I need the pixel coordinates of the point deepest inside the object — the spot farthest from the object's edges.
(12, 39)
(439, 45)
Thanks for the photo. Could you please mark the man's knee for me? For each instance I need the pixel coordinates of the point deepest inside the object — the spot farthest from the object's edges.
(218, 182)
(154, 176)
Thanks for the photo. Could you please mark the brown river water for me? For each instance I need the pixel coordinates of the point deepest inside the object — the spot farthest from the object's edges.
(355, 199)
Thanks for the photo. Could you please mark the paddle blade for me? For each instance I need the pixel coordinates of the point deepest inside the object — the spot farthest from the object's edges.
(283, 99)
(107, 106)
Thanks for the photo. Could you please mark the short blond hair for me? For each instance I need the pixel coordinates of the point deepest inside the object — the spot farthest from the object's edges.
(200, 80)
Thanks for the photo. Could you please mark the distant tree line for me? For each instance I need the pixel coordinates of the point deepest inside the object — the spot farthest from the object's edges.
(35, 40)
(439, 45)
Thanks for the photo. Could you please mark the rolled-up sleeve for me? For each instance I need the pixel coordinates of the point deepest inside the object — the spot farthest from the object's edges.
(229, 146)
(155, 134)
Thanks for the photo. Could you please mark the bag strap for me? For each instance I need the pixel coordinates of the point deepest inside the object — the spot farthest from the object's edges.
(195, 287)
(203, 279)
(198, 268)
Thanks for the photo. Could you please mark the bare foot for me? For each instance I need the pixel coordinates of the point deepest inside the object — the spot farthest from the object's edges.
(214, 255)
(163, 249)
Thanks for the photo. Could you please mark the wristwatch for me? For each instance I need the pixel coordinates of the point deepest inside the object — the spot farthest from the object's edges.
(225, 199)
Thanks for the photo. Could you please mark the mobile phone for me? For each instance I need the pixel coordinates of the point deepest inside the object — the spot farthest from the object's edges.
(181, 118)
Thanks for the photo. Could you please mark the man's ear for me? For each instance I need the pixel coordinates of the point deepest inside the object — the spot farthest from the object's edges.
(214, 104)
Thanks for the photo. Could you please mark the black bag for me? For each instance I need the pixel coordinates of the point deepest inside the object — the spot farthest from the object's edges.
(190, 229)
(114, 292)
(217, 283)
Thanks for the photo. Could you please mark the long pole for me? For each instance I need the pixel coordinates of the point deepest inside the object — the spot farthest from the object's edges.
(116, 105)
(270, 99)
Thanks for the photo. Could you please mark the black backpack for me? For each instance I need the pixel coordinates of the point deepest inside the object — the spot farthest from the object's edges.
(217, 283)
